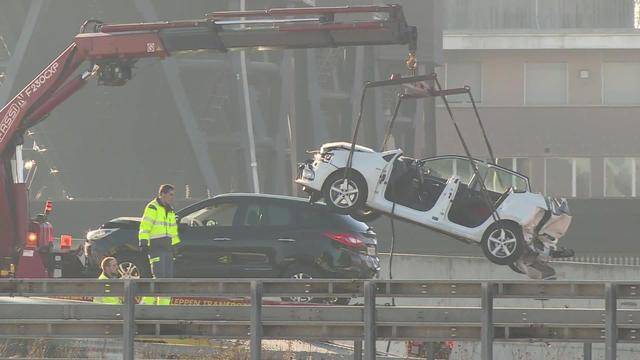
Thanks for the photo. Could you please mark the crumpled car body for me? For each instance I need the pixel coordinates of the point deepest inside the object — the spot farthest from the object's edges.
(493, 207)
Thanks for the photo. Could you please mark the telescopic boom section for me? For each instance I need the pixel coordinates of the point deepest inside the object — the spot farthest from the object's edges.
(115, 47)
(112, 49)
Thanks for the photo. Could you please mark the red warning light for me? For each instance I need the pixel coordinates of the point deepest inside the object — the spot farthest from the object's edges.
(48, 207)
(66, 241)
(32, 240)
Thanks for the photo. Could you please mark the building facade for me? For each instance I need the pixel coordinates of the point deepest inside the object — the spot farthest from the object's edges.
(559, 99)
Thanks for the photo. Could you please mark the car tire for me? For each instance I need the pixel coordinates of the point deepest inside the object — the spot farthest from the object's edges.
(308, 272)
(366, 214)
(133, 266)
(339, 202)
(503, 243)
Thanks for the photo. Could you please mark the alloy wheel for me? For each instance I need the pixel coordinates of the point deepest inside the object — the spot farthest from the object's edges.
(344, 193)
(502, 243)
(128, 270)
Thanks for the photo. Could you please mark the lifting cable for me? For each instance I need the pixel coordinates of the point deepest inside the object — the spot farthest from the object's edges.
(484, 133)
(391, 250)
(476, 172)
(387, 133)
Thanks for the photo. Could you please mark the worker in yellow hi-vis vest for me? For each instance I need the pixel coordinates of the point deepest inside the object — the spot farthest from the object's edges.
(109, 266)
(158, 236)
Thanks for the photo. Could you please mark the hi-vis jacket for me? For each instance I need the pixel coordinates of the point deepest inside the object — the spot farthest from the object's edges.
(107, 289)
(158, 222)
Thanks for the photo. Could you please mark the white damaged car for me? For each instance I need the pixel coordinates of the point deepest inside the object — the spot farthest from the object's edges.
(513, 226)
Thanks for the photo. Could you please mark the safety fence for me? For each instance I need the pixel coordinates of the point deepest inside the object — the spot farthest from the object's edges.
(605, 260)
(257, 320)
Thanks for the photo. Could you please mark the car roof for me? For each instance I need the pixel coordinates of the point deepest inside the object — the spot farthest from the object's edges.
(254, 196)
(260, 196)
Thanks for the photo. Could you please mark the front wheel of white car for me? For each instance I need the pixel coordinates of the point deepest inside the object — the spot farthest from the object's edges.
(345, 195)
(503, 243)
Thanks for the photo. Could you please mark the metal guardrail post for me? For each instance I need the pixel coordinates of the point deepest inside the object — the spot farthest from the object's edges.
(486, 320)
(256, 320)
(586, 351)
(129, 320)
(357, 350)
(369, 320)
(611, 327)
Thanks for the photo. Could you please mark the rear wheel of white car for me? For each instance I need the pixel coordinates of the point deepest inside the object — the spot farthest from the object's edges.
(345, 195)
(503, 243)
(366, 214)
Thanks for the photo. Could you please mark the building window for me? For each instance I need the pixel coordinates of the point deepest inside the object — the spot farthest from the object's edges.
(545, 83)
(619, 177)
(569, 177)
(520, 165)
(458, 75)
(619, 83)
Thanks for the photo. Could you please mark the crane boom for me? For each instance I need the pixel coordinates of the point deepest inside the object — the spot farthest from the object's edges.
(112, 50)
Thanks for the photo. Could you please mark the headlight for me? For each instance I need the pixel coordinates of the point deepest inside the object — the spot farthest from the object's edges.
(99, 234)
(308, 174)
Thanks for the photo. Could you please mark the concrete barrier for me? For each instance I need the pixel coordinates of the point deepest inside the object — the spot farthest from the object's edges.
(436, 267)
(414, 266)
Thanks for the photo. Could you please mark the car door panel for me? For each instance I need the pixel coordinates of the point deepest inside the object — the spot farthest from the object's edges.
(195, 253)
(206, 233)
(264, 236)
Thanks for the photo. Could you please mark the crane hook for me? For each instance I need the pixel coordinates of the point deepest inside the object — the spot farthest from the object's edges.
(412, 63)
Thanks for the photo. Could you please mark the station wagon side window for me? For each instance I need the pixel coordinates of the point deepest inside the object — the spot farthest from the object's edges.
(309, 216)
(279, 215)
(267, 215)
(219, 214)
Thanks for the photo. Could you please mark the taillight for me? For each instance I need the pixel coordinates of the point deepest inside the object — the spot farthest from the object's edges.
(347, 239)
(326, 157)
(40, 234)
(31, 241)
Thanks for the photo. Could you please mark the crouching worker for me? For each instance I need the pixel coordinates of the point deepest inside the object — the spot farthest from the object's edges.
(109, 266)
(158, 236)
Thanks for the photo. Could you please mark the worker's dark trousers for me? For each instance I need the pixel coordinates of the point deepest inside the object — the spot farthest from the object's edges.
(161, 249)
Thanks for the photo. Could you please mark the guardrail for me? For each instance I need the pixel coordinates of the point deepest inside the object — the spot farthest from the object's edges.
(295, 321)
(605, 260)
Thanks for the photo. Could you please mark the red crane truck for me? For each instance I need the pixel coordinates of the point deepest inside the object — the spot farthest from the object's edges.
(111, 50)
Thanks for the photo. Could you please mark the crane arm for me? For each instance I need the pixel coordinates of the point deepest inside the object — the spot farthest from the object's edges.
(112, 50)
